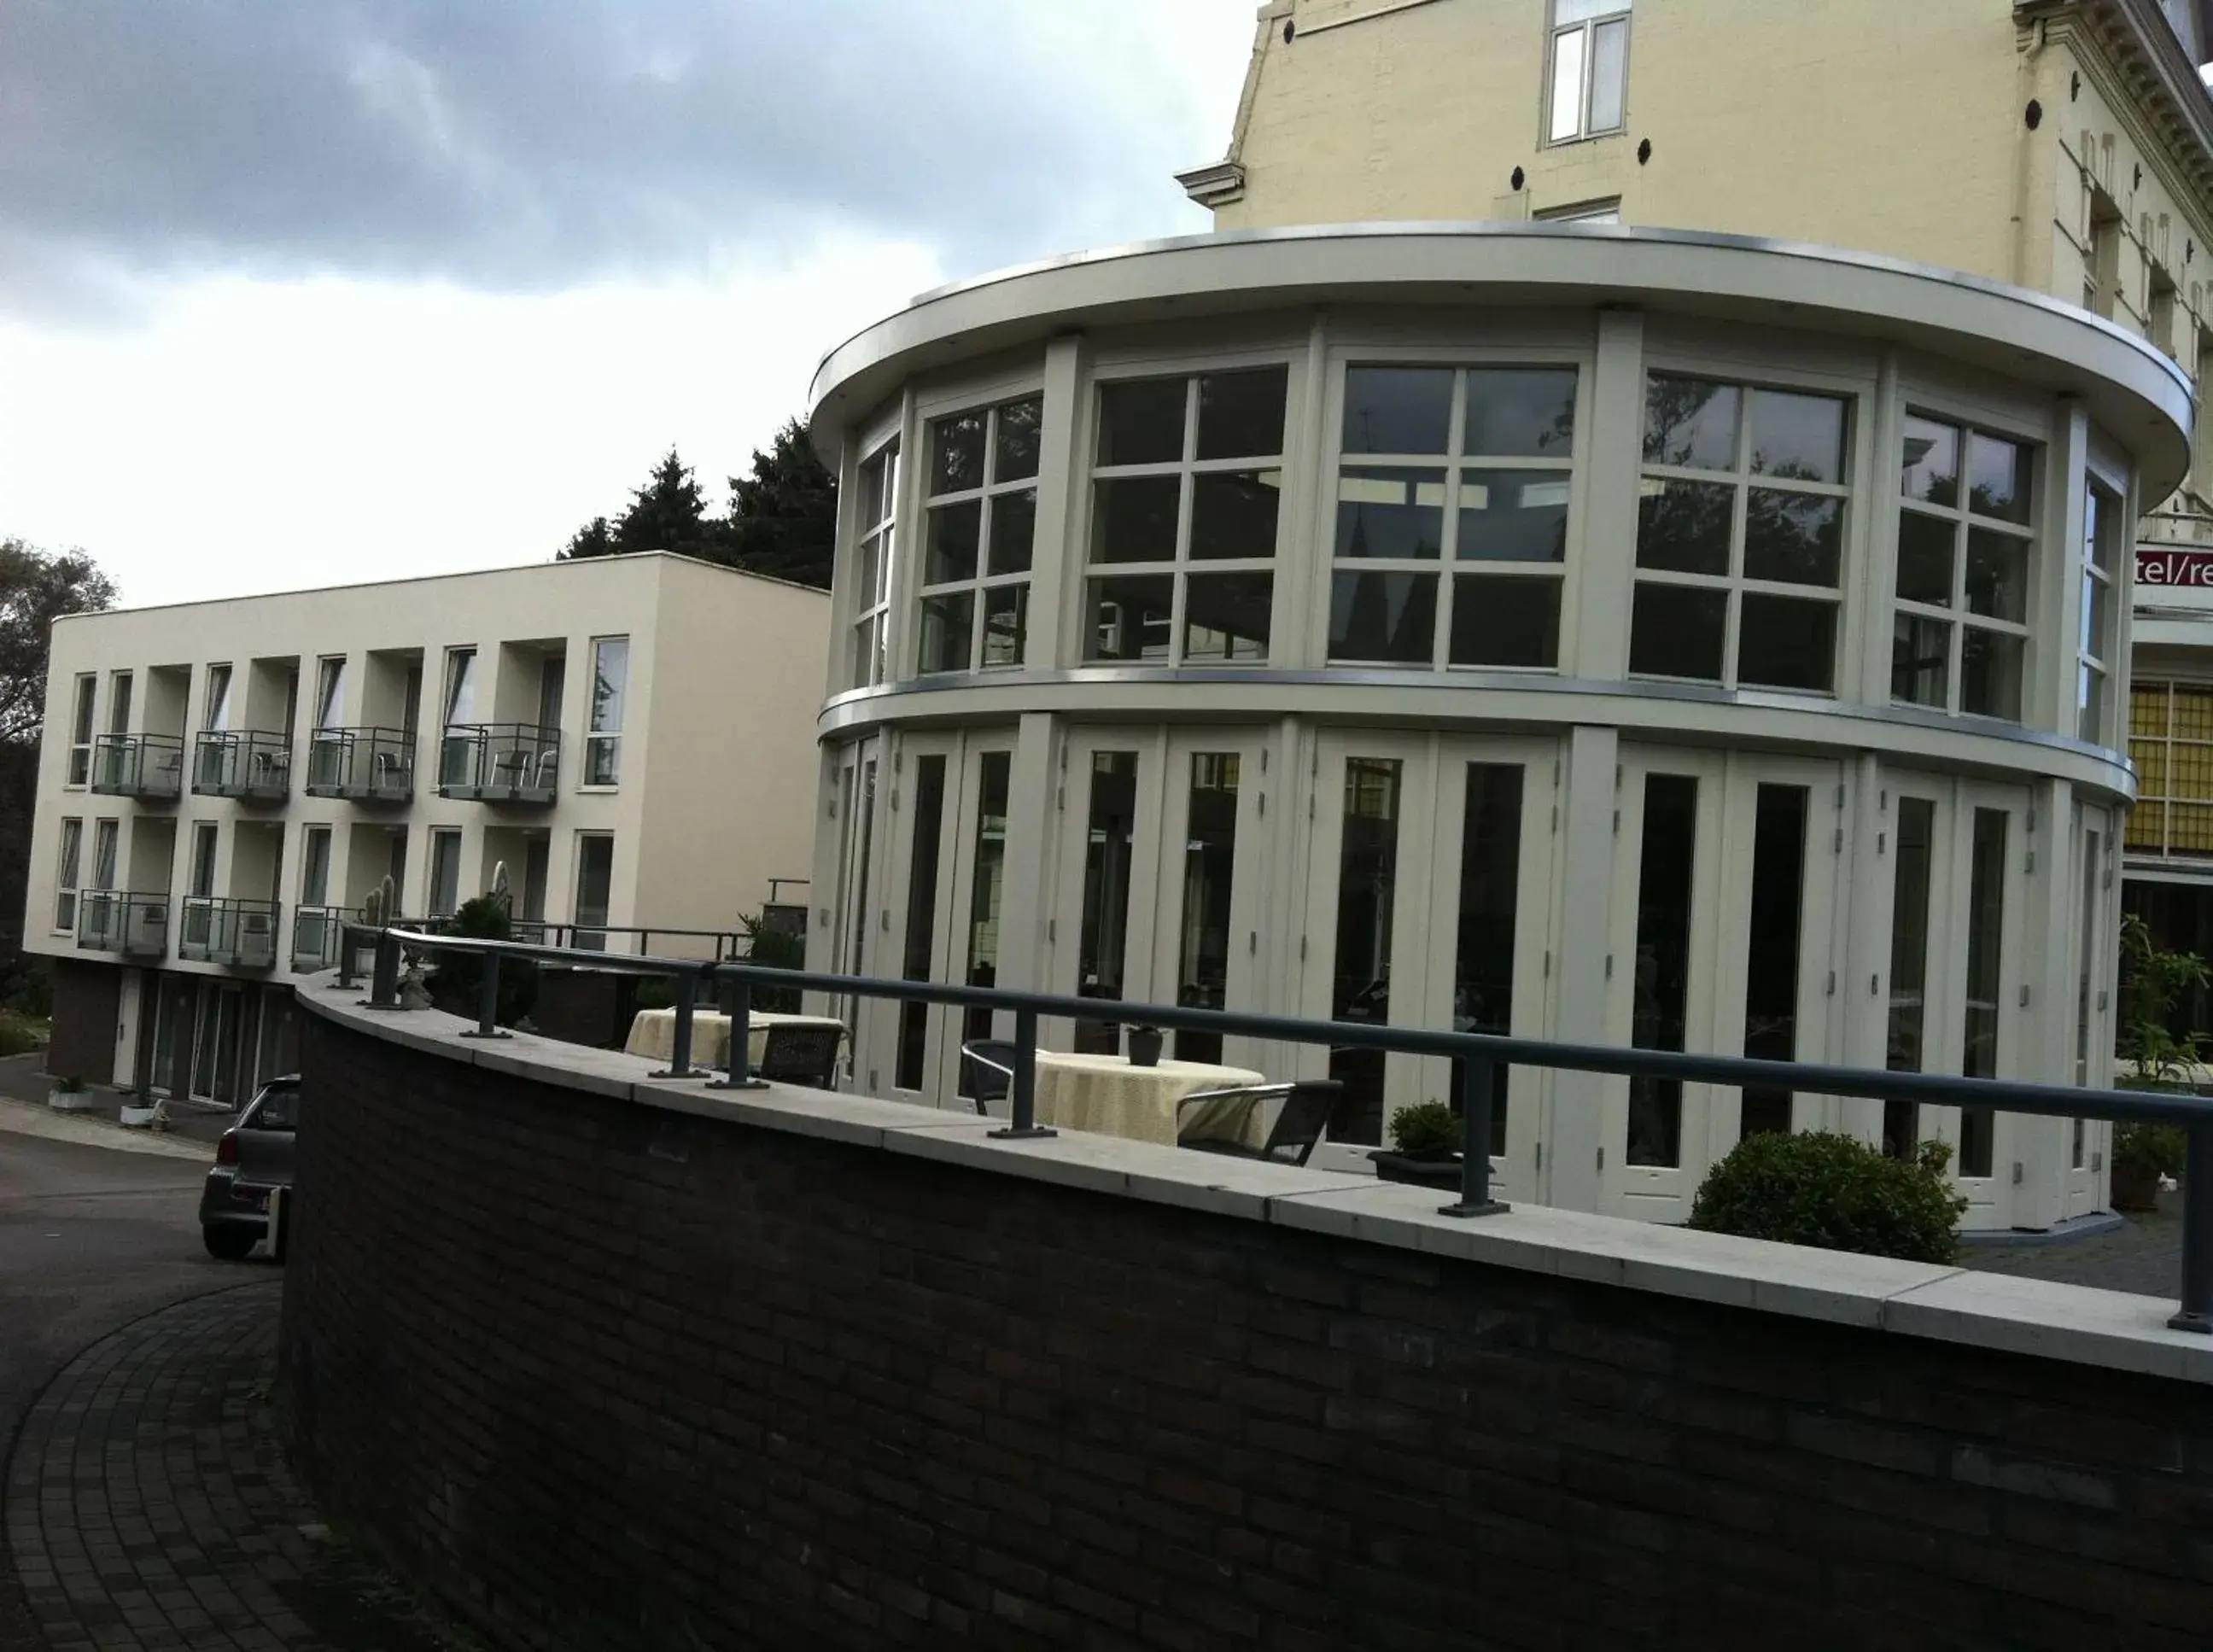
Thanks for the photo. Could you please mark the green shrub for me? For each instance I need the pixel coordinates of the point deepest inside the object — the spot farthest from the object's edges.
(1426, 1131)
(20, 1035)
(454, 989)
(1835, 1193)
(2141, 1150)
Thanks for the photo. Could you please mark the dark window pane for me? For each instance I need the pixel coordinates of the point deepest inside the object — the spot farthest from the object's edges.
(1241, 415)
(1783, 642)
(1691, 422)
(1014, 531)
(1134, 520)
(956, 453)
(1130, 617)
(1772, 946)
(987, 879)
(1675, 631)
(1931, 462)
(1997, 575)
(1504, 620)
(1006, 622)
(1391, 618)
(945, 625)
(1390, 512)
(1925, 559)
(1801, 437)
(1367, 891)
(1210, 866)
(1233, 513)
(1798, 538)
(1667, 856)
(1985, 975)
(920, 915)
(1226, 616)
(1512, 517)
(1524, 413)
(1684, 527)
(1490, 887)
(1921, 662)
(1998, 477)
(1102, 943)
(1909, 955)
(1016, 443)
(1398, 409)
(1141, 422)
(1990, 673)
(953, 533)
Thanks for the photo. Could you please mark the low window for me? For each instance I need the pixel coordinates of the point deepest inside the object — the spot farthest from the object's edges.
(1960, 640)
(978, 537)
(1589, 89)
(66, 875)
(610, 688)
(872, 564)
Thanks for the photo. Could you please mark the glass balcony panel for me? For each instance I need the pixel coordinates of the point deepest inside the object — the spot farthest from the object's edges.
(500, 762)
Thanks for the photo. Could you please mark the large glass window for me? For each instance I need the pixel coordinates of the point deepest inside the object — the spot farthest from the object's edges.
(1740, 535)
(215, 713)
(80, 757)
(873, 544)
(1102, 946)
(1490, 880)
(65, 875)
(921, 937)
(105, 836)
(596, 871)
(1916, 847)
(1367, 894)
(1210, 869)
(1772, 944)
(610, 694)
(1589, 91)
(1960, 636)
(2171, 743)
(2102, 533)
(987, 883)
(1451, 516)
(1188, 483)
(330, 690)
(1986, 970)
(1662, 986)
(316, 866)
(445, 873)
(119, 702)
(978, 534)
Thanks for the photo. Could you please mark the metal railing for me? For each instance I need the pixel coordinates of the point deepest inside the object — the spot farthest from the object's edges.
(245, 763)
(117, 920)
(499, 762)
(150, 767)
(367, 765)
(315, 931)
(216, 930)
(1480, 1063)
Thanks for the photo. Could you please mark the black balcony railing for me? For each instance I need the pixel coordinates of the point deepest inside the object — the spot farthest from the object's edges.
(116, 920)
(363, 766)
(150, 767)
(251, 765)
(1481, 1062)
(499, 762)
(239, 933)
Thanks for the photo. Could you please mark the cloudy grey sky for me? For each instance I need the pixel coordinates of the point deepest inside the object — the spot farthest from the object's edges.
(294, 292)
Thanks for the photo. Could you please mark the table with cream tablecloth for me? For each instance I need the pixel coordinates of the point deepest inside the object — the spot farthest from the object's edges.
(1107, 1096)
(653, 1032)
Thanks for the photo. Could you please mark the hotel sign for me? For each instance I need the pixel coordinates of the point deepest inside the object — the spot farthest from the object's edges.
(2165, 565)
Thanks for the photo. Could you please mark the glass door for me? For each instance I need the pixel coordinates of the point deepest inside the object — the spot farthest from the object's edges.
(2096, 934)
(1989, 907)
(1205, 918)
(1110, 854)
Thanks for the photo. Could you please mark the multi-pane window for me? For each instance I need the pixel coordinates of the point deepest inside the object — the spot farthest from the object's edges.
(979, 530)
(1589, 69)
(1740, 535)
(1187, 482)
(65, 876)
(2102, 530)
(2171, 743)
(872, 564)
(1960, 635)
(610, 688)
(80, 756)
(1451, 516)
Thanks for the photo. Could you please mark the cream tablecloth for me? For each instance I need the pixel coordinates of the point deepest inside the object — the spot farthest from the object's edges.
(1108, 1096)
(653, 1032)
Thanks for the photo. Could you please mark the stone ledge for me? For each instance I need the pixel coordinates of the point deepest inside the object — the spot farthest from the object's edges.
(2072, 1323)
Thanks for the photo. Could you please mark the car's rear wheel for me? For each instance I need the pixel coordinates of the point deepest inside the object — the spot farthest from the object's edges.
(229, 1244)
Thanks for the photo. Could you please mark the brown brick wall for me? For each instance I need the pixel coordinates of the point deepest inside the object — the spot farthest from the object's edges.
(617, 1379)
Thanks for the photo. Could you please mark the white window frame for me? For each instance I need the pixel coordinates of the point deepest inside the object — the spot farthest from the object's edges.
(119, 685)
(205, 848)
(1571, 52)
(605, 730)
(461, 671)
(444, 865)
(2101, 531)
(979, 588)
(107, 851)
(67, 871)
(80, 728)
(876, 547)
(214, 709)
(330, 692)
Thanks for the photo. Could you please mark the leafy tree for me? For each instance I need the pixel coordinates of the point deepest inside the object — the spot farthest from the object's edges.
(783, 517)
(2154, 985)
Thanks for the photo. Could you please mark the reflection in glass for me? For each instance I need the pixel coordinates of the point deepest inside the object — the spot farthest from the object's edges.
(1684, 527)
(1241, 415)
(1998, 477)
(1489, 877)
(1921, 662)
(1210, 865)
(1609, 53)
(1512, 516)
(1226, 616)
(1006, 622)
(1772, 946)
(1367, 885)
(1567, 84)
(946, 631)
(1233, 513)
(1134, 519)
(1387, 619)
(1130, 618)
(1801, 437)
(1997, 575)
(988, 871)
(1390, 512)
(1986, 953)
(1784, 642)
(1931, 462)
(1795, 537)
(1691, 422)
(1520, 413)
(1014, 531)
(956, 453)
(1016, 446)
(1397, 410)
(1677, 630)
(1925, 559)
(920, 915)
(1662, 983)
(1101, 945)
(1909, 967)
(954, 531)
(1990, 673)
(1141, 422)
(1505, 620)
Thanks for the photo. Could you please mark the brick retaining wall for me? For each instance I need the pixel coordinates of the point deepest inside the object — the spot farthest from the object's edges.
(615, 1377)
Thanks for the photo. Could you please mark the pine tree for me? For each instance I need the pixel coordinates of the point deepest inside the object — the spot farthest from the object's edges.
(783, 517)
(594, 539)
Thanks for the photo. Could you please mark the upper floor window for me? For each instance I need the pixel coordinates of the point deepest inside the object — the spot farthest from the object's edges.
(1451, 516)
(105, 836)
(80, 756)
(610, 688)
(66, 874)
(872, 563)
(978, 537)
(460, 685)
(1188, 483)
(119, 702)
(1590, 69)
(316, 866)
(2101, 531)
(2171, 743)
(330, 690)
(1959, 638)
(215, 714)
(445, 873)
(1740, 535)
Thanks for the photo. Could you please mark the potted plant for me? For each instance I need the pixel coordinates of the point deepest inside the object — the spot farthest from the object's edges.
(68, 1094)
(1145, 1044)
(2142, 1155)
(1426, 1137)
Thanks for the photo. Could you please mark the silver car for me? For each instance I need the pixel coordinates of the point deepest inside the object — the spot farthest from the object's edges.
(253, 1160)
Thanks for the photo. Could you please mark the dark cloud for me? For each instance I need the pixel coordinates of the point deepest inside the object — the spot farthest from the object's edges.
(531, 146)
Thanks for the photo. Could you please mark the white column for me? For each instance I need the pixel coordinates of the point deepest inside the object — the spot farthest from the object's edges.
(1057, 563)
(1025, 897)
(2045, 970)
(1569, 1177)
(1594, 631)
(1866, 895)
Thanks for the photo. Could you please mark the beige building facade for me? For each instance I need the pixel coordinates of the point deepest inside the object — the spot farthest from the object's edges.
(623, 742)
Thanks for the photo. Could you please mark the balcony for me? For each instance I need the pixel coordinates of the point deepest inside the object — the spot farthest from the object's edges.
(150, 767)
(362, 765)
(257, 767)
(500, 762)
(239, 933)
(110, 920)
(316, 931)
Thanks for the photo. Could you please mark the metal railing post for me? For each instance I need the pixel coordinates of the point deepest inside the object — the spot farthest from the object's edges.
(679, 1057)
(1479, 1083)
(1022, 1092)
(2195, 1313)
(488, 1025)
(346, 958)
(384, 978)
(738, 1067)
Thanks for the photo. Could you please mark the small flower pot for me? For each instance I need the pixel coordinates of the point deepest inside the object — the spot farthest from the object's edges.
(1145, 1044)
(1444, 1174)
(137, 1117)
